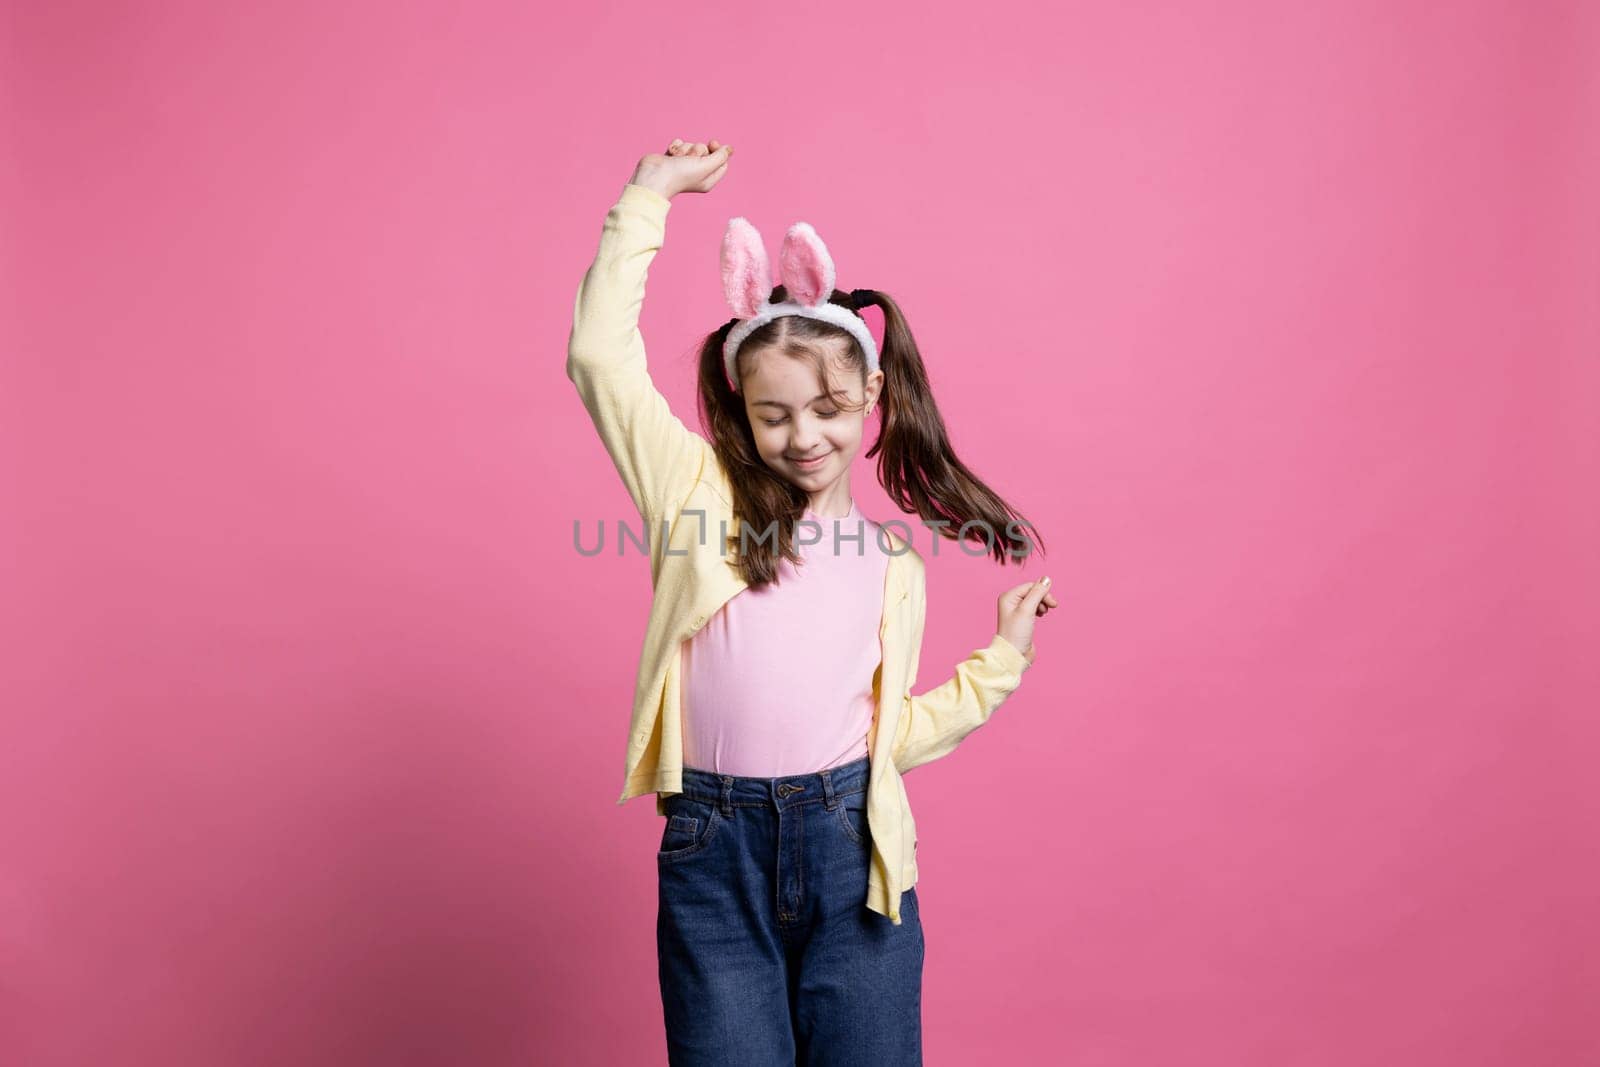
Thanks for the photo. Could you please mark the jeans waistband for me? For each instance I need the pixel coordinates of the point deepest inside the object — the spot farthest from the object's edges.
(787, 791)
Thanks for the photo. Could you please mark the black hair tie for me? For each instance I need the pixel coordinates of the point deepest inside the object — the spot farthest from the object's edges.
(860, 298)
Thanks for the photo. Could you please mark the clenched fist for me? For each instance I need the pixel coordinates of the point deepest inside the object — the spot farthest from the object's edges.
(685, 167)
(1017, 609)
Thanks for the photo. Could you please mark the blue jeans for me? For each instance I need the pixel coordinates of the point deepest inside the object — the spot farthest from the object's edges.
(768, 952)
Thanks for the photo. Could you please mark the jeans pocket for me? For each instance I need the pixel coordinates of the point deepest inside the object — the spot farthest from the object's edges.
(852, 815)
(690, 825)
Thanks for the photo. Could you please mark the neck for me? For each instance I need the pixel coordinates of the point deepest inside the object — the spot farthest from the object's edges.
(833, 502)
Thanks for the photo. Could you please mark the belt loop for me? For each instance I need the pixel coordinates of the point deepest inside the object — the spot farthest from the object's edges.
(829, 795)
(726, 799)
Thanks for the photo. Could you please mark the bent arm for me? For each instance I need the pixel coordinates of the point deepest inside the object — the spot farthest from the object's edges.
(658, 457)
(933, 724)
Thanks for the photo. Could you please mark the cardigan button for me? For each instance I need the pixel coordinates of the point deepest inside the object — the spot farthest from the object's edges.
(699, 621)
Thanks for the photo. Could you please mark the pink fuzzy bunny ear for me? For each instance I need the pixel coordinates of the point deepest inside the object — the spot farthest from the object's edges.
(805, 265)
(746, 272)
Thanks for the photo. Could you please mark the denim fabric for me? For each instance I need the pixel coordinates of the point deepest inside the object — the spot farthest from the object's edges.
(768, 953)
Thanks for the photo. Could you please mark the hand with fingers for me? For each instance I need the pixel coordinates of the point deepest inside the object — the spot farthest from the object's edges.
(1017, 609)
(685, 167)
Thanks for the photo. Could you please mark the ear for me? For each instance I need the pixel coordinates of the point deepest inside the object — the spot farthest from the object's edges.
(746, 272)
(806, 266)
(874, 387)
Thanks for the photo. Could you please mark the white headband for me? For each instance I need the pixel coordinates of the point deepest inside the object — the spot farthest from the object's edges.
(807, 274)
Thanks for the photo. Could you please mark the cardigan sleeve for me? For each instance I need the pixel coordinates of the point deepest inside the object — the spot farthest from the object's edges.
(658, 457)
(932, 724)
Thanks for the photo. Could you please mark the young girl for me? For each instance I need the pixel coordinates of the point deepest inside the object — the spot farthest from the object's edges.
(773, 715)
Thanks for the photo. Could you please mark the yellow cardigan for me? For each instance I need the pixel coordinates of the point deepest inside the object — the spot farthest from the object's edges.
(682, 494)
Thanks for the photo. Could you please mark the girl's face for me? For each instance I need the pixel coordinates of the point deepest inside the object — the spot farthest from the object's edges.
(793, 425)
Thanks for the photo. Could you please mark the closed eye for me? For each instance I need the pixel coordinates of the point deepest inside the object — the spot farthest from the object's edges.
(820, 415)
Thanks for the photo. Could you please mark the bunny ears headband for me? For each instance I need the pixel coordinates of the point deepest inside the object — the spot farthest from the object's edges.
(807, 274)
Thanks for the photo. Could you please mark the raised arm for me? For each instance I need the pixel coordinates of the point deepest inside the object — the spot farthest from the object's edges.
(932, 725)
(658, 457)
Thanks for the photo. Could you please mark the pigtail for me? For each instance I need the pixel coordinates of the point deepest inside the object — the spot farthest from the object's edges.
(762, 499)
(917, 466)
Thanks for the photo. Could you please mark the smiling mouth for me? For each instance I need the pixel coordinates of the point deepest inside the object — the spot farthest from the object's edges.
(812, 462)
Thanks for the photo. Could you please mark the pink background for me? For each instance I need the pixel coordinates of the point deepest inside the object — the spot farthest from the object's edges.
(1280, 320)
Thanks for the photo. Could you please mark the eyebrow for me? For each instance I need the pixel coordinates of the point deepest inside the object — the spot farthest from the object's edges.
(785, 407)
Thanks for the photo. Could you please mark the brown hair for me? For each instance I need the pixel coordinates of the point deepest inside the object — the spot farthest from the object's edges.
(916, 465)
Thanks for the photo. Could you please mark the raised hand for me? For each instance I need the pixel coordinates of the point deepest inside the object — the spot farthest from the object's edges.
(1018, 607)
(685, 167)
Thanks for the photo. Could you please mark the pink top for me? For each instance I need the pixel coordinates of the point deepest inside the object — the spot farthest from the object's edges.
(779, 680)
